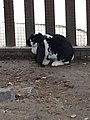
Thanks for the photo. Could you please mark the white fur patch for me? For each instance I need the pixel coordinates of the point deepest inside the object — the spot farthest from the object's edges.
(34, 48)
(57, 63)
(46, 48)
(49, 36)
(66, 63)
(45, 62)
(52, 56)
(72, 57)
(49, 53)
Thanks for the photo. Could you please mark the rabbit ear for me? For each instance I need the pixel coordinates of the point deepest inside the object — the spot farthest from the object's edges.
(40, 37)
(40, 53)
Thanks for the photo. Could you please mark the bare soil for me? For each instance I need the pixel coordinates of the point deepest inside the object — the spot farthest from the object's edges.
(63, 92)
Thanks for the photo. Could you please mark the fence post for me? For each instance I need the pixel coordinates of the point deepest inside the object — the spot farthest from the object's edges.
(49, 16)
(88, 21)
(9, 23)
(70, 21)
(29, 17)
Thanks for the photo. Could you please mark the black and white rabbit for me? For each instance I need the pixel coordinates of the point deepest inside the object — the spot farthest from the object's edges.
(55, 48)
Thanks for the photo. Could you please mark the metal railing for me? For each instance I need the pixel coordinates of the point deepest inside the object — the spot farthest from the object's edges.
(81, 35)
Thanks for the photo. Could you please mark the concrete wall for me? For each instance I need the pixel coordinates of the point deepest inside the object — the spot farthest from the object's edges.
(24, 53)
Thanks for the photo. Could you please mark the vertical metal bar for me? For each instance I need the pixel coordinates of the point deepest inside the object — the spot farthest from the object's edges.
(70, 21)
(88, 21)
(49, 16)
(9, 23)
(29, 17)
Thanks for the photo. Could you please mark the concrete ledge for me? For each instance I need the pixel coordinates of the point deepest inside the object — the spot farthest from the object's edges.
(24, 52)
(82, 51)
(15, 53)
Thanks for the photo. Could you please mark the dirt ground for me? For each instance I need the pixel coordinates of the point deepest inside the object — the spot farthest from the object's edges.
(63, 92)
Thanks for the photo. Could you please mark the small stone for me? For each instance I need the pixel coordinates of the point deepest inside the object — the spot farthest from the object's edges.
(62, 107)
(44, 77)
(21, 93)
(37, 81)
(73, 116)
(31, 91)
(7, 94)
(10, 84)
(89, 99)
(17, 77)
(84, 63)
(18, 97)
(86, 118)
(5, 111)
(68, 85)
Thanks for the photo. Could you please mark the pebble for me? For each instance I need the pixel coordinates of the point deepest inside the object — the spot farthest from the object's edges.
(68, 85)
(86, 118)
(11, 93)
(21, 93)
(84, 63)
(17, 77)
(31, 91)
(73, 116)
(44, 77)
(7, 94)
(10, 84)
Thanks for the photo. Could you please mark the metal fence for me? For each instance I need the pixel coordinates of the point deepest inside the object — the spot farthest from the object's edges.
(20, 34)
(2, 34)
(81, 35)
(15, 34)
